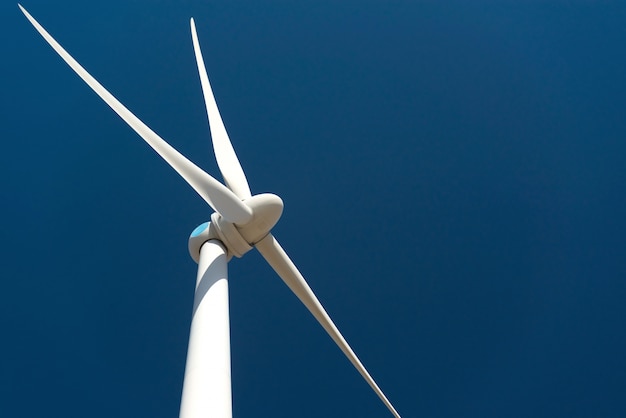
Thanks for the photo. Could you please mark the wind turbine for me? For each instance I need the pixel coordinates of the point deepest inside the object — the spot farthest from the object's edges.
(240, 221)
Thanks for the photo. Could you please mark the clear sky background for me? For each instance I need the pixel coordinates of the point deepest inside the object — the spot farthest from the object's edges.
(454, 179)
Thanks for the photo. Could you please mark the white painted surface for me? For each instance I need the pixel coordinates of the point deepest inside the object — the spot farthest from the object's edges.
(207, 387)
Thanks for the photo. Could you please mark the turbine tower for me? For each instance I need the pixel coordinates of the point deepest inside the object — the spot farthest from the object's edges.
(240, 222)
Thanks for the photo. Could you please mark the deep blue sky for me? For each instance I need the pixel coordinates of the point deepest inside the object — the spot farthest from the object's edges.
(454, 182)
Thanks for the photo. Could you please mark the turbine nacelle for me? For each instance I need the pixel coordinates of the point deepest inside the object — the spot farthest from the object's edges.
(239, 238)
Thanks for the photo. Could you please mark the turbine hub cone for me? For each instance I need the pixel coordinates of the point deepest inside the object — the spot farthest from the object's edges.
(239, 239)
(266, 211)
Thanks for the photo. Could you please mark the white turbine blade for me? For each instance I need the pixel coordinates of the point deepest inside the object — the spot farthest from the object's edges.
(224, 153)
(271, 250)
(212, 191)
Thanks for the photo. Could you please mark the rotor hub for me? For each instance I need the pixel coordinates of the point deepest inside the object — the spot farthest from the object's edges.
(239, 239)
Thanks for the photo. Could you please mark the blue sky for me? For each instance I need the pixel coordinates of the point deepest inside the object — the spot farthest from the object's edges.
(453, 177)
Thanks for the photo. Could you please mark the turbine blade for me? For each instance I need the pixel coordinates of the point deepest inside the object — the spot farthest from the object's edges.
(273, 253)
(212, 191)
(224, 153)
